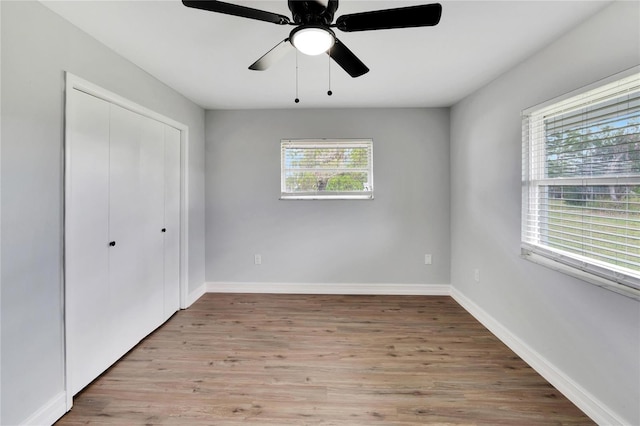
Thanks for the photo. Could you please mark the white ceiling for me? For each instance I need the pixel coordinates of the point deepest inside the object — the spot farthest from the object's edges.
(205, 55)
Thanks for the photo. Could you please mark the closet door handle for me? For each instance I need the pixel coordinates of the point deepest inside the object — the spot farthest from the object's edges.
(163, 230)
(112, 243)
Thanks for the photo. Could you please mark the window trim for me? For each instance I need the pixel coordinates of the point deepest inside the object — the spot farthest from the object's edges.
(581, 267)
(326, 195)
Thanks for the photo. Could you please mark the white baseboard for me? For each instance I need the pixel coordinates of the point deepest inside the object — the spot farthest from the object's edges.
(330, 288)
(196, 294)
(49, 413)
(584, 400)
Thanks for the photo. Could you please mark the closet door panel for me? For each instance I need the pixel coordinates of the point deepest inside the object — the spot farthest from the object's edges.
(87, 316)
(150, 291)
(125, 220)
(172, 220)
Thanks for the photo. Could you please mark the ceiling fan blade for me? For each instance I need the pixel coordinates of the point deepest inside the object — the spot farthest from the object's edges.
(404, 17)
(236, 10)
(272, 56)
(347, 60)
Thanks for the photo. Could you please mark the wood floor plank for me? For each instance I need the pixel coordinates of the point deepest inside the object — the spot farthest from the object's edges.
(262, 359)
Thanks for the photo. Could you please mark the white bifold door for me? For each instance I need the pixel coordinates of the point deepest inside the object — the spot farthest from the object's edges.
(122, 232)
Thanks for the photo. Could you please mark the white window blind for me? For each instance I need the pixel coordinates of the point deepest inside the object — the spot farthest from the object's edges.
(326, 169)
(581, 181)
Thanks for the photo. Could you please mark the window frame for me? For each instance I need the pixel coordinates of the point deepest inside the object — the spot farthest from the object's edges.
(326, 143)
(616, 278)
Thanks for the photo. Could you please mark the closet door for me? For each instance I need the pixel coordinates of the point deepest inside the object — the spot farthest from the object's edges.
(87, 311)
(122, 232)
(172, 221)
(135, 223)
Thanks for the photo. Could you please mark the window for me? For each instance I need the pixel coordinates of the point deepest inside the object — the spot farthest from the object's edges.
(326, 169)
(581, 183)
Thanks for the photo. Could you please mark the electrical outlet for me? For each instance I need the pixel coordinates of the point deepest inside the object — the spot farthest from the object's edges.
(476, 275)
(257, 259)
(427, 259)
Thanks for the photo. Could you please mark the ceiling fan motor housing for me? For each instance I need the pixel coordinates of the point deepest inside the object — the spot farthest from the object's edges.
(313, 12)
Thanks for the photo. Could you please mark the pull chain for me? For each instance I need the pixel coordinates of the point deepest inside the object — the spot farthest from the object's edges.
(297, 99)
(329, 92)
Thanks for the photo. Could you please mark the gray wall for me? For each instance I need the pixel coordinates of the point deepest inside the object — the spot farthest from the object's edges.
(590, 334)
(377, 241)
(37, 47)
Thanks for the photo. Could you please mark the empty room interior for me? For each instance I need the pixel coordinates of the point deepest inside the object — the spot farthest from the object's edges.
(191, 231)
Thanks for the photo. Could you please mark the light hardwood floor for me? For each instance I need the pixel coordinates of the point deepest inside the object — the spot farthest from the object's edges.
(233, 359)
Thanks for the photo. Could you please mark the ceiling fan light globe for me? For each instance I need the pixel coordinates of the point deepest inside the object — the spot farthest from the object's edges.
(312, 40)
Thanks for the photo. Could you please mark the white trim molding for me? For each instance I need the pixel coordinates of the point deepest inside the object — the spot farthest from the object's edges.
(588, 403)
(50, 412)
(329, 288)
(195, 295)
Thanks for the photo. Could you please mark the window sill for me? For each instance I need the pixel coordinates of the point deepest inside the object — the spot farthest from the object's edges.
(583, 275)
(327, 197)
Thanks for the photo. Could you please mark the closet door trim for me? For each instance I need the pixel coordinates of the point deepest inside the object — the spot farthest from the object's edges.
(74, 82)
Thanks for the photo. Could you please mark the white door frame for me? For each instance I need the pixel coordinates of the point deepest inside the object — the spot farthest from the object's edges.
(74, 82)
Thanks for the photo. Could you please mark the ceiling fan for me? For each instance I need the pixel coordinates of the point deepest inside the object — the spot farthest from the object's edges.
(313, 19)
